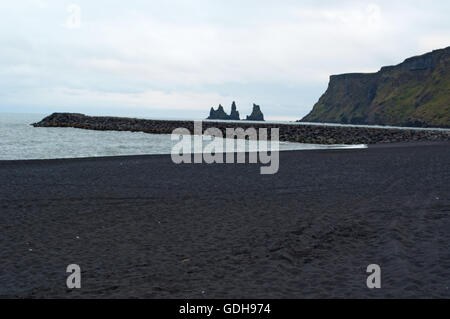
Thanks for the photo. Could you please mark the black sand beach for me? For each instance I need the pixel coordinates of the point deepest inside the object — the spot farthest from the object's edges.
(145, 227)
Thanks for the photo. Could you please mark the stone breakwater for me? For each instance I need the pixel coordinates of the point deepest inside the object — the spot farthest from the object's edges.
(314, 134)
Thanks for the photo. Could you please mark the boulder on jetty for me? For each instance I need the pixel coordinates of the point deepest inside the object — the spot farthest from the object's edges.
(220, 113)
(256, 115)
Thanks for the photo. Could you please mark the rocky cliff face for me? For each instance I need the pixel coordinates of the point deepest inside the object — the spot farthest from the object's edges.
(413, 93)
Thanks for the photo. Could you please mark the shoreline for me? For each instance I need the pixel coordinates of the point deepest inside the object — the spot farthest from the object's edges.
(143, 156)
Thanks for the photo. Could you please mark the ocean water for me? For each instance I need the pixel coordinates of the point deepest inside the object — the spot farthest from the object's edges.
(20, 141)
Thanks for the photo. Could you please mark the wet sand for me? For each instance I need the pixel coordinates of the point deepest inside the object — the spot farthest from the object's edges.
(144, 227)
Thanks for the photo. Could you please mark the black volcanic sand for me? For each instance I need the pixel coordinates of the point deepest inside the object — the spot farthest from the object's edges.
(149, 228)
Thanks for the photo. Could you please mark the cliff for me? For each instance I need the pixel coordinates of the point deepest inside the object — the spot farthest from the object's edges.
(414, 93)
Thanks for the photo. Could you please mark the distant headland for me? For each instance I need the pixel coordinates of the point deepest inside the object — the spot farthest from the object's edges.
(414, 93)
(220, 114)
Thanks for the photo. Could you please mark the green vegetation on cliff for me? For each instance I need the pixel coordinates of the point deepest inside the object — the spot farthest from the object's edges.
(413, 93)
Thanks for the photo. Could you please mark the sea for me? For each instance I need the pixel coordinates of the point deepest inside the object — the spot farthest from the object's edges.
(19, 140)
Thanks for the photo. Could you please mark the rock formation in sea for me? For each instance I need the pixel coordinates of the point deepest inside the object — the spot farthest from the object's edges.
(234, 112)
(220, 113)
(256, 115)
(413, 93)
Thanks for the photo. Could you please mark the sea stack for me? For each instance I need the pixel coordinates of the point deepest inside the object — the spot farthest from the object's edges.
(219, 114)
(234, 112)
(256, 115)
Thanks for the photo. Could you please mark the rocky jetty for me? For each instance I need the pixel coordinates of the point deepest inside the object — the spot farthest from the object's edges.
(256, 115)
(302, 133)
(414, 93)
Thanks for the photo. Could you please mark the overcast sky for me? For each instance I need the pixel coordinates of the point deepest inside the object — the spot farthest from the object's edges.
(178, 58)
